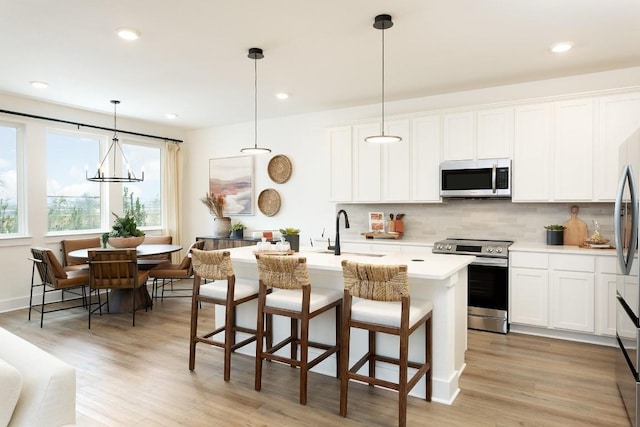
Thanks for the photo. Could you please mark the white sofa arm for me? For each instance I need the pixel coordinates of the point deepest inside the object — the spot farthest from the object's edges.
(48, 395)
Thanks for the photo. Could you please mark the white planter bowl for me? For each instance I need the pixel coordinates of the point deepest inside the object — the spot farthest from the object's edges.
(125, 242)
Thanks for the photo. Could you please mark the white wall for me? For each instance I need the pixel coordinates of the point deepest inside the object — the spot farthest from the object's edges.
(15, 269)
(303, 139)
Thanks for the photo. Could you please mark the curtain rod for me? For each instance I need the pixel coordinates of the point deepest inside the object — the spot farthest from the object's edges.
(33, 116)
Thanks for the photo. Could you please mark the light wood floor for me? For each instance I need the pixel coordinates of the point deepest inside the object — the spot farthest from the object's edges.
(139, 377)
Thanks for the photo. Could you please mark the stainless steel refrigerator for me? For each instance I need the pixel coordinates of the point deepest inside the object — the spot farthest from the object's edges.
(627, 296)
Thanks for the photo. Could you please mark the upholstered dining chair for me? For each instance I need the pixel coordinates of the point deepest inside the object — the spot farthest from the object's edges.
(285, 290)
(225, 290)
(115, 270)
(69, 245)
(169, 272)
(377, 299)
(147, 262)
(53, 277)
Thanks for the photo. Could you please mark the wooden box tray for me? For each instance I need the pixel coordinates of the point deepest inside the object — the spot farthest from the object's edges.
(373, 235)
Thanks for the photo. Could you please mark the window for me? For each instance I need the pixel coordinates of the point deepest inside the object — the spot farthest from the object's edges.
(10, 160)
(143, 198)
(73, 203)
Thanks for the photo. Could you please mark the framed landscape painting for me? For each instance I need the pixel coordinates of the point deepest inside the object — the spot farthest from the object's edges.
(233, 178)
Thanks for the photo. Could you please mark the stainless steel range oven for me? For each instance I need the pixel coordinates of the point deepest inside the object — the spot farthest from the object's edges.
(488, 277)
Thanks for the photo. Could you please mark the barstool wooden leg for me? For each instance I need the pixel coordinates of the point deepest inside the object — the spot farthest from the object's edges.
(259, 337)
(428, 355)
(229, 334)
(344, 355)
(403, 374)
(293, 334)
(304, 357)
(372, 352)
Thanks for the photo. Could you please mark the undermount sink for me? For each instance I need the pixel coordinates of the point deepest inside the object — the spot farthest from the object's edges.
(351, 253)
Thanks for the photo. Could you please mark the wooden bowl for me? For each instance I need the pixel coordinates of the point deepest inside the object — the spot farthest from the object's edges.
(125, 242)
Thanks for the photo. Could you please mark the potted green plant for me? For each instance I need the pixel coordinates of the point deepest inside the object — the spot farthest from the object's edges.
(237, 230)
(555, 234)
(124, 232)
(292, 235)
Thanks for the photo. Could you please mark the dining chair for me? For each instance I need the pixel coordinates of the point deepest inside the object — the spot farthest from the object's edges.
(225, 290)
(377, 300)
(147, 262)
(169, 272)
(53, 277)
(115, 270)
(285, 290)
(68, 245)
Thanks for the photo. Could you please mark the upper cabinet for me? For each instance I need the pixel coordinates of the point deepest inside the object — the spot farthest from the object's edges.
(406, 171)
(555, 148)
(619, 118)
(532, 153)
(340, 150)
(562, 151)
(482, 134)
(573, 150)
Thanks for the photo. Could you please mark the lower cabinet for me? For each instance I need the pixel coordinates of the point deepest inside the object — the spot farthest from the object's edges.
(572, 301)
(568, 292)
(529, 296)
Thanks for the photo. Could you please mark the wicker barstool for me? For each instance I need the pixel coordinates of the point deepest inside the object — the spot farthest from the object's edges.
(225, 290)
(285, 290)
(383, 305)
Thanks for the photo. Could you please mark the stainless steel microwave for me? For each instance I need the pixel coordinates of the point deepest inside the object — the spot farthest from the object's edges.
(476, 178)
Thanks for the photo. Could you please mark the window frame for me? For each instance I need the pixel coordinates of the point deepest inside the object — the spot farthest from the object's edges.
(21, 198)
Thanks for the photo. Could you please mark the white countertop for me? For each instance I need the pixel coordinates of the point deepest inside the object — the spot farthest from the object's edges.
(424, 265)
(560, 249)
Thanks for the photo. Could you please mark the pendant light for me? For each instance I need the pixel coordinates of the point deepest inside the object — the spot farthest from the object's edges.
(382, 22)
(114, 147)
(255, 54)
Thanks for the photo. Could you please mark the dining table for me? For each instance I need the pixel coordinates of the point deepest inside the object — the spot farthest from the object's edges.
(121, 300)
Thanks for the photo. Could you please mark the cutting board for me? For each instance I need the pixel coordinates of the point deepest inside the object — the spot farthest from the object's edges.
(575, 232)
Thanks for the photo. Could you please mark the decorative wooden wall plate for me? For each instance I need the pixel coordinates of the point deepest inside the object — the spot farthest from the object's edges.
(269, 202)
(279, 169)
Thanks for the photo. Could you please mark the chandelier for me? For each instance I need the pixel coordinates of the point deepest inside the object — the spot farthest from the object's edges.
(114, 148)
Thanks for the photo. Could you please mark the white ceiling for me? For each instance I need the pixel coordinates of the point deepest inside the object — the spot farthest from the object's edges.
(192, 56)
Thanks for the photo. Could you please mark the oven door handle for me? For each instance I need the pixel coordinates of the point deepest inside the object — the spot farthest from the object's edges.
(491, 262)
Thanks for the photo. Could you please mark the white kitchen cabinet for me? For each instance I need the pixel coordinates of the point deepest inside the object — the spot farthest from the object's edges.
(573, 149)
(606, 304)
(532, 158)
(529, 296)
(459, 136)
(425, 159)
(340, 149)
(572, 300)
(494, 133)
(619, 118)
(367, 170)
(479, 134)
(396, 173)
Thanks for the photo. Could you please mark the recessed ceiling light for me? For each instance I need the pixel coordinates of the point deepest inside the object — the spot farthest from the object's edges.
(128, 34)
(171, 116)
(38, 84)
(282, 95)
(561, 47)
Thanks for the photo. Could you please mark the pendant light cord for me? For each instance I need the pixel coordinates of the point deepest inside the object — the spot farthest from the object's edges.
(255, 90)
(382, 126)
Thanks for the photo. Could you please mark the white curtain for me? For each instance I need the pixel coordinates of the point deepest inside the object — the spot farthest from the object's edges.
(172, 188)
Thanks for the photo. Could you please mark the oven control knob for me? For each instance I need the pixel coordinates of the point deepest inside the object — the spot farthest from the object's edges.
(499, 250)
(489, 249)
(439, 247)
(448, 247)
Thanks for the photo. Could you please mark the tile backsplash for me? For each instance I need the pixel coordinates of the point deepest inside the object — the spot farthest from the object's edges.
(479, 219)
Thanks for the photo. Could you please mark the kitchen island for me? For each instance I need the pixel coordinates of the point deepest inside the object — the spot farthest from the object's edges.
(442, 279)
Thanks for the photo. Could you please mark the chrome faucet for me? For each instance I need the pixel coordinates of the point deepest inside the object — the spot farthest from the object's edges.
(346, 225)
